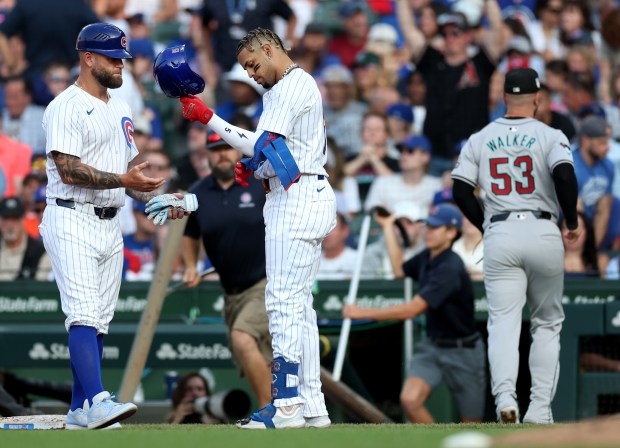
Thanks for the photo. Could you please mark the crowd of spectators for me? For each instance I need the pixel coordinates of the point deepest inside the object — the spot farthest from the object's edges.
(404, 83)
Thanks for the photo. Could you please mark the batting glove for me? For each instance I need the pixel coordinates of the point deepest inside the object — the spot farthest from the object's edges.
(160, 216)
(195, 110)
(242, 173)
(189, 203)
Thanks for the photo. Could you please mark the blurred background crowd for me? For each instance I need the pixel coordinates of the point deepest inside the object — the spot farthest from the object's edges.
(404, 82)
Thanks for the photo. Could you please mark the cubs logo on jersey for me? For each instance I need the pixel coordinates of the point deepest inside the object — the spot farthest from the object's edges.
(127, 125)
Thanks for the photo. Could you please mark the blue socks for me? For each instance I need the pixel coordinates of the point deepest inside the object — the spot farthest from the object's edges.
(86, 349)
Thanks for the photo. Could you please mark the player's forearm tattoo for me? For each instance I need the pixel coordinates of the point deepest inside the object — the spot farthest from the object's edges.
(140, 195)
(72, 171)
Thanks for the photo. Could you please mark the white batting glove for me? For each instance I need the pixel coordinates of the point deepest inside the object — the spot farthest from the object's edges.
(189, 203)
(160, 216)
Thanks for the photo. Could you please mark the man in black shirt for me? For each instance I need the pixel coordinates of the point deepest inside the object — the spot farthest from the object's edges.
(457, 79)
(452, 350)
(230, 223)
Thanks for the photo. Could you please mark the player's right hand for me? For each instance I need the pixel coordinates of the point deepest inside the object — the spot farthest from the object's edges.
(195, 110)
(242, 173)
(136, 180)
(191, 277)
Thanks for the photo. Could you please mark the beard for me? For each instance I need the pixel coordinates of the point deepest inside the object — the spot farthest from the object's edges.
(223, 174)
(106, 79)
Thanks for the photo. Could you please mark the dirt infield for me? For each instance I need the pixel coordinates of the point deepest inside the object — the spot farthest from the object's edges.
(604, 431)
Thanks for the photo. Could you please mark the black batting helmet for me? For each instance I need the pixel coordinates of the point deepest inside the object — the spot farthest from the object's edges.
(173, 74)
(105, 39)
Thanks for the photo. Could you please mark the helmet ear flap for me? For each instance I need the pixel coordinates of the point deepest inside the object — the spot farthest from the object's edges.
(174, 75)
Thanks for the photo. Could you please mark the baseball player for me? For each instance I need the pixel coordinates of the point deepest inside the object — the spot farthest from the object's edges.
(522, 165)
(89, 148)
(288, 153)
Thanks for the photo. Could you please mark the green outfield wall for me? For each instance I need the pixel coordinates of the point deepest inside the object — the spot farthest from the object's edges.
(191, 335)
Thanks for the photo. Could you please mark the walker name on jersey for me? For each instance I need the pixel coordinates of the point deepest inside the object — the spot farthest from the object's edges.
(56, 350)
(508, 140)
(189, 351)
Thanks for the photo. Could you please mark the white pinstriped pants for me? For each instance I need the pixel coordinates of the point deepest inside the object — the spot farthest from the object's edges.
(87, 261)
(296, 222)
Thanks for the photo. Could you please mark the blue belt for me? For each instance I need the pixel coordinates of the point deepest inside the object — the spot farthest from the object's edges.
(268, 189)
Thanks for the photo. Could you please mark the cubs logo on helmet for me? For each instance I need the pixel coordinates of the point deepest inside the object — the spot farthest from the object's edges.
(173, 74)
(105, 39)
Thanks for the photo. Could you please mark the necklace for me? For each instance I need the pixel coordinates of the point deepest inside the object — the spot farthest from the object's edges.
(288, 69)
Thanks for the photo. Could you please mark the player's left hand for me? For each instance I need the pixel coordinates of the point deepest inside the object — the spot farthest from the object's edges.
(195, 110)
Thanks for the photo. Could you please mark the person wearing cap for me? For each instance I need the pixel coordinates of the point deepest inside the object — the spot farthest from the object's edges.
(22, 257)
(400, 121)
(90, 169)
(457, 84)
(230, 224)
(525, 168)
(343, 113)
(246, 96)
(411, 183)
(452, 349)
(595, 176)
(402, 227)
(354, 36)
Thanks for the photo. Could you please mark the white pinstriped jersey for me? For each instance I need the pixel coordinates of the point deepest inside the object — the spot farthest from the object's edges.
(100, 134)
(293, 107)
(512, 160)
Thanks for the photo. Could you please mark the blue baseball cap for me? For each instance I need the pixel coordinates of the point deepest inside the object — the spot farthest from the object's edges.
(142, 48)
(415, 142)
(445, 215)
(443, 196)
(401, 111)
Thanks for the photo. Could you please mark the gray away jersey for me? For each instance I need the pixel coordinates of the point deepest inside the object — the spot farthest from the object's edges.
(512, 160)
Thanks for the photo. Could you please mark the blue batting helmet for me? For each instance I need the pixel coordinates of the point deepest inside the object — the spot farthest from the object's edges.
(105, 39)
(173, 74)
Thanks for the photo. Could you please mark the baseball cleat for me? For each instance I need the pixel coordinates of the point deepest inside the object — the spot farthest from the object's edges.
(509, 415)
(104, 412)
(78, 419)
(271, 417)
(320, 421)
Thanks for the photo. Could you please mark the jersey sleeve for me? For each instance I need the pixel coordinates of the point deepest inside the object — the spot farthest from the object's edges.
(466, 168)
(560, 151)
(63, 129)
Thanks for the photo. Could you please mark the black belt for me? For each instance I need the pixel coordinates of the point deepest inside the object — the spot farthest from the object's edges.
(101, 212)
(468, 342)
(538, 214)
(268, 189)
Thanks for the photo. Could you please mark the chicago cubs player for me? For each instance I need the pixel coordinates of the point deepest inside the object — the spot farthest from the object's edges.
(522, 165)
(89, 146)
(288, 153)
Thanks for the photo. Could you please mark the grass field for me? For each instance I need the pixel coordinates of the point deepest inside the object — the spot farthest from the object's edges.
(227, 436)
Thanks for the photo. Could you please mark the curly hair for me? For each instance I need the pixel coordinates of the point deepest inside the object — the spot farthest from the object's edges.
(260, 36)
